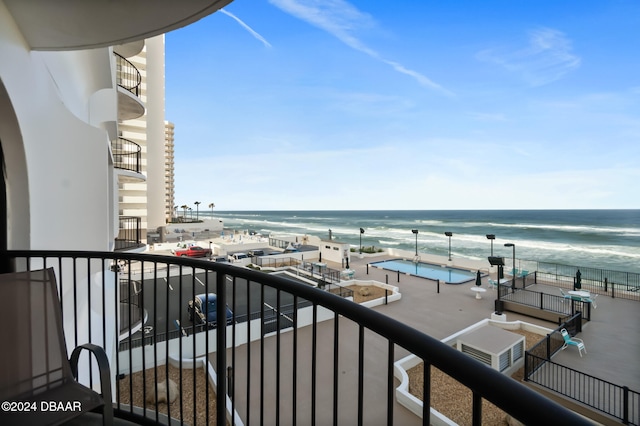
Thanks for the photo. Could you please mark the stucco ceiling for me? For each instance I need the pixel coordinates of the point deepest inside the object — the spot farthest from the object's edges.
(86, 24)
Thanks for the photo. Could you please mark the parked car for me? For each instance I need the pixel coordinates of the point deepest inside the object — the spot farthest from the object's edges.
(220, 259)
(237, 256)
(193, 251)
(203, 310)
(256, 253)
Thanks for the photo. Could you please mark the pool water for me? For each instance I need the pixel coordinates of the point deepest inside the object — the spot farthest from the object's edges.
(427, 270)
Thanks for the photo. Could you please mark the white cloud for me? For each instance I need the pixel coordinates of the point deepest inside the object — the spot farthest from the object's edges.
(488, 116)
(547, 58)
(342, 20)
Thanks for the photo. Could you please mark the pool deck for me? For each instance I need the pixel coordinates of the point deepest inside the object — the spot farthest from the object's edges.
(612, 340)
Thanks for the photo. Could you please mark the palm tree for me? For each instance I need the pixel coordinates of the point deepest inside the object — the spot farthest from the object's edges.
(184, 209)
(211, 206)
(197, 203)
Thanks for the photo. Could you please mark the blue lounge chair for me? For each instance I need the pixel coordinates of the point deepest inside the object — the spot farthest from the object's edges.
(493, 283)
(572, 341)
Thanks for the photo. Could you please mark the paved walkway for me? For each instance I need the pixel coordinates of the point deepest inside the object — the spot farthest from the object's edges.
(612, 339)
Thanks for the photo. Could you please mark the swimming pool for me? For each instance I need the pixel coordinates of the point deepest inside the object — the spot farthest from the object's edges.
(427, 270)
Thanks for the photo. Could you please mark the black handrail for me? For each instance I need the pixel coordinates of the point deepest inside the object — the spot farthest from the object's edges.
(127, 155)
(614, 400)
(545, 302)
(620, 284)
(127, 75)
(130, 233)
(485, 383)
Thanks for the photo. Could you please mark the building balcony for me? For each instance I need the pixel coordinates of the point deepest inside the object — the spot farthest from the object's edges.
(289, 353)
(127, 159)
(78, 25)
(129, 81)
(129, 234)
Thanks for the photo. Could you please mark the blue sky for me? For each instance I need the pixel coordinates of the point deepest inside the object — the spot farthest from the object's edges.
(309, 104)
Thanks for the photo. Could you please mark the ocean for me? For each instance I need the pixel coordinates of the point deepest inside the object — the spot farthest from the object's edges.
(607, 239)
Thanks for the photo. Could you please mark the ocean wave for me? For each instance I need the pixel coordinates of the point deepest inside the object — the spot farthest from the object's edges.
(389, 243)
(562, 242)
(570, 228)
(430, 222)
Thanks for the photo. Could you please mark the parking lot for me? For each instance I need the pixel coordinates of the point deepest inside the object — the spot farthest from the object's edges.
(165, 300)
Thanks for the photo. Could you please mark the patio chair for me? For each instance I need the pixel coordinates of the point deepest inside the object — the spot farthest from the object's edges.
(564, 295)
(592, 299)
(572, 341)
(35, 369)
(493, 283)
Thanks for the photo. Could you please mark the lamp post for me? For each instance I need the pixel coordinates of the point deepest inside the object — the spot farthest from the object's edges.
(491, 237)
(361, 232)
(449, 234)
(513, 271)
(499, 262)
(415, 231)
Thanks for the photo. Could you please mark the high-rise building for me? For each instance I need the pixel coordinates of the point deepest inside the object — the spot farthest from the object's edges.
(169, 177)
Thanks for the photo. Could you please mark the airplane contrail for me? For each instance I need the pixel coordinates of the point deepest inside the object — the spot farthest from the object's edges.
(246, 27)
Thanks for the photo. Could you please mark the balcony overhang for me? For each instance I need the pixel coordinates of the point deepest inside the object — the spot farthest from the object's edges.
(81, 24)
(128, 176)
(130, 106)
(130, 49)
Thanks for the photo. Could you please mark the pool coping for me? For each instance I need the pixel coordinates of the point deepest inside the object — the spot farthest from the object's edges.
(471, 279)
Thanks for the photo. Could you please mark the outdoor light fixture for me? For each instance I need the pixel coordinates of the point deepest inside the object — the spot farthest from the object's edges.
(361, 232)
(491, 237)
(449, 234)
(513, 271)
(415, 231)
(499, 262)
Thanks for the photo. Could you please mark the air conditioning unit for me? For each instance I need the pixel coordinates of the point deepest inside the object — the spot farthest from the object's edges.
(495, 347)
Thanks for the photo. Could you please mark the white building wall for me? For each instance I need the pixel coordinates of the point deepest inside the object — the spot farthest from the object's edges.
(55, 118)
(56, 162)
(155, 133)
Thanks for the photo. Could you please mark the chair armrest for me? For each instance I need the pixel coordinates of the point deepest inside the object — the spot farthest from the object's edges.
(105, 375)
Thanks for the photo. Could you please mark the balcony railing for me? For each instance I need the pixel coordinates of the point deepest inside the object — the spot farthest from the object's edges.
(130, 233)
(127, 75)
(294, 354)
(127, 155)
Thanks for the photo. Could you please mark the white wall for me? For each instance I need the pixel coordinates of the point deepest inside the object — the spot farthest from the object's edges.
(155, 133)
(55, 119)
(334, 251)
(57, 164)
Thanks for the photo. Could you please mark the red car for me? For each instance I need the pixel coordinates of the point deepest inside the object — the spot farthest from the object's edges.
(193, 251)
